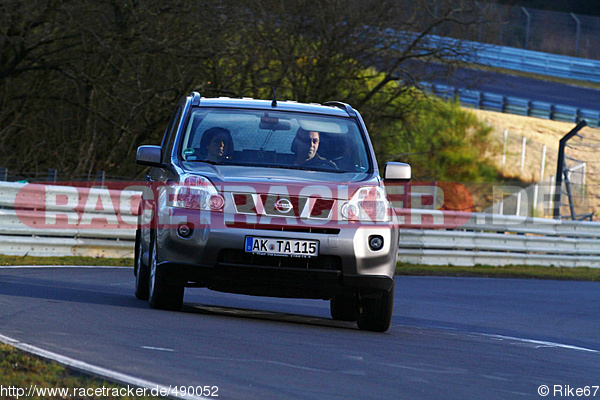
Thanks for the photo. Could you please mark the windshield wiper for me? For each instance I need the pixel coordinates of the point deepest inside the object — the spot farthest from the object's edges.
(301, 168)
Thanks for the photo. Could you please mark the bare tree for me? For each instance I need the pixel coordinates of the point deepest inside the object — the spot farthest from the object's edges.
(83, 83)
(319, 51)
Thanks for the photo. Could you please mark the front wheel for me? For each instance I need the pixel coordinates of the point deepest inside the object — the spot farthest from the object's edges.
(343, 308)
(162, 295)
(141, 270)
(375, 313)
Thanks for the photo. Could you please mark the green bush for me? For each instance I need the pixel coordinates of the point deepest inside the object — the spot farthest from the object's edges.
(441, 140)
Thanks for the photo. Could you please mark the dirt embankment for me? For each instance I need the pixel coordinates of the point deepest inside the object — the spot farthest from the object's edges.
(539, 132)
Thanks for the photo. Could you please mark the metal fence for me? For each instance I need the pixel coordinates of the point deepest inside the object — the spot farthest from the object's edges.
(548, 31)
(564, 33)
(55, 175)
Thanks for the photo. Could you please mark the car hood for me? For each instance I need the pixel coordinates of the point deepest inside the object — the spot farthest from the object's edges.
(244, 179)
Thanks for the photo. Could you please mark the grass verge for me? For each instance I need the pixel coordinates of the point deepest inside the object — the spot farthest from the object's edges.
(21, 372)
(71, 260)
(510, 271)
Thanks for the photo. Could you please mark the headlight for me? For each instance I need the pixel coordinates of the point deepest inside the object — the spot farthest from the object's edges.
(196, 192)
(367, 204)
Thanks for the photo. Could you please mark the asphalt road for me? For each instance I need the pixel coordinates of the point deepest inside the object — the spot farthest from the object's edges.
(450, 337)
(529, 88)
(513, 86)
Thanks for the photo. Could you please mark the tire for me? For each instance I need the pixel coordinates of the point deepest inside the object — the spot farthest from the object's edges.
(162, 296)
(343, 308)
(375, 314)
(141, 270)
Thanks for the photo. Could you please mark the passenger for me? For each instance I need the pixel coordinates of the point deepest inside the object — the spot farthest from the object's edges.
(305, 146)
(216, 145)
(344, 158)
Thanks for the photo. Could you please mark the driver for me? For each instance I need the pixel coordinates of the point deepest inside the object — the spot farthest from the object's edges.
(305, 146)
(216, 145)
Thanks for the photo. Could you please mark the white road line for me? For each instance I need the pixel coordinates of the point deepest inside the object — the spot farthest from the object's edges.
(538, 343)
(541, 343)
(157, 348)
(91, 369)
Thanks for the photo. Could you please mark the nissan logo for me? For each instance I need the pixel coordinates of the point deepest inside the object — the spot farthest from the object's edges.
(283, 206)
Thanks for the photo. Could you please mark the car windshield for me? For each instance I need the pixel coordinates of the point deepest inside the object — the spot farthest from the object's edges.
(274, 139)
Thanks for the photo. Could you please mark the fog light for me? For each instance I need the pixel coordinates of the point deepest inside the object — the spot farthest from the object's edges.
(375, 242)
(185, 230)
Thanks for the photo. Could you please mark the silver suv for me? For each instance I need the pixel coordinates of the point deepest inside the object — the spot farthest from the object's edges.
(268, 198)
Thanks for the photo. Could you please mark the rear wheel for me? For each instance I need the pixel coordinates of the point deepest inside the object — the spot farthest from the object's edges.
(375, 312)
(141, 270)
(343, 308)
(161, 294)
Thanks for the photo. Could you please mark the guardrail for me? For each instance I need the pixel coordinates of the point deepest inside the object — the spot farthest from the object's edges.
(67, 225)
(539, 63)
(464, 239)
(531, 61)
(28, 219)
(515, 105)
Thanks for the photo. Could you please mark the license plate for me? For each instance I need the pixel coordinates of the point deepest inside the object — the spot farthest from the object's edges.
(282, 247)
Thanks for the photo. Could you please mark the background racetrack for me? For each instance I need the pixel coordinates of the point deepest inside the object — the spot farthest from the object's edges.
(450, 337)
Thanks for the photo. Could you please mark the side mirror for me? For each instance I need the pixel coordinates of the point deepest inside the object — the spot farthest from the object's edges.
(397, 171)
(149, 155)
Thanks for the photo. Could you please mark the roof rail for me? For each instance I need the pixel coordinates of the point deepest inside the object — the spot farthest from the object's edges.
(343, 106)
(196, 98)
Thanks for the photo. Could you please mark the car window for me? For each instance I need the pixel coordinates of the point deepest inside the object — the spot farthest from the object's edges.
(169, 138)
(274, 139)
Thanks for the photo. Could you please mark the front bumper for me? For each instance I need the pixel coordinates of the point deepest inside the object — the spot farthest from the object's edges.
(271, 281)
(213, 256)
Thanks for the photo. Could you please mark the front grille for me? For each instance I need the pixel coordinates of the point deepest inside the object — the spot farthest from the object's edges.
(283, 206)
(269, 204)
(240, 257)
(321, 209)
(244, 203)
